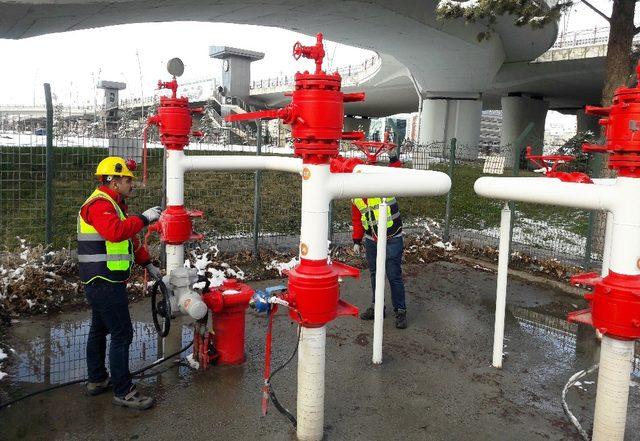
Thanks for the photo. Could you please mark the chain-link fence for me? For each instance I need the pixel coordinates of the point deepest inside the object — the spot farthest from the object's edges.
(227, 198)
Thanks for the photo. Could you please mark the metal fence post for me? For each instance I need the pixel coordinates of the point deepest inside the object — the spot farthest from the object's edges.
(447, 213)
(517, 151)
(594, 167)
(49, 168)
(256, 194)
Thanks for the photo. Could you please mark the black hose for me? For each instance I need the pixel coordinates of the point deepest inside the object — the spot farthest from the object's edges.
(162, 308)
(82, 380)
(272, 395)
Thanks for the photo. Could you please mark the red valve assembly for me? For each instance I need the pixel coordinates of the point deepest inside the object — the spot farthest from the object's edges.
(615, 300)
(551, 171)
(173, 120)
(622, 124)
(316, 111)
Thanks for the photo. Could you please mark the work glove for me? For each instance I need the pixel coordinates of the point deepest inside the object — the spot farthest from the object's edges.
(151, 215)
(357, 248)
(153, 271)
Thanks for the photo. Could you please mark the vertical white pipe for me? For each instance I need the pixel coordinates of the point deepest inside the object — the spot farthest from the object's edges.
(381, 269)
(606, 251)
(175, 177)
(314, 225)
(311, 360)
(501, 286)
(613, 389)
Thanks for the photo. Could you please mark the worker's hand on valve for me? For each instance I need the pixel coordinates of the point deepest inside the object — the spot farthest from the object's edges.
(153, 271)
(152, 214)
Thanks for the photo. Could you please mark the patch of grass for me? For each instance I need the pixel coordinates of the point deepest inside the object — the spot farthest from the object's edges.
(226, 198)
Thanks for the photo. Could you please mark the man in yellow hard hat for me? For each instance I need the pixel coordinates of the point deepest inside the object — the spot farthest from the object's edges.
(107, 248)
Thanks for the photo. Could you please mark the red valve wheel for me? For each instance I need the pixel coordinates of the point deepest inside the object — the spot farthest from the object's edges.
(297, 50)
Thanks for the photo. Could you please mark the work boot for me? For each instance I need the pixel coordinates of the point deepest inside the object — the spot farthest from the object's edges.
(401, 318)
(134, 400)
(369, 314)
(97, 388)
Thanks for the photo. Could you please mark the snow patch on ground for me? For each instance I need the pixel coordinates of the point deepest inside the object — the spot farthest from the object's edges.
(283, 266)
(541, 234)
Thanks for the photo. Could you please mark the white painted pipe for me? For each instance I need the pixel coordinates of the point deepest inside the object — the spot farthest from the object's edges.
(501, 286)
(606, 251)
(396, 182)
(381, 271)
(311, 360)
(231, 163)
(548, 191)
(613, 389)
(314, 223)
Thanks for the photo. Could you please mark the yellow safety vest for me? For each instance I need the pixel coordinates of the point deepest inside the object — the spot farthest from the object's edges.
(97, 257)
(370, 212)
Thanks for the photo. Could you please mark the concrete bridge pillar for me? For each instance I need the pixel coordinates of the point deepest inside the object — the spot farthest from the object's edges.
(517, 113)
(446, 118)
(587, 122)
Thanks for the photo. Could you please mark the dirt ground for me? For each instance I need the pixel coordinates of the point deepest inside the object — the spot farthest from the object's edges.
(435, 383)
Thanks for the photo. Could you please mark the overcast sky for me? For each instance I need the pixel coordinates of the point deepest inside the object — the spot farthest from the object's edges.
(136, 54)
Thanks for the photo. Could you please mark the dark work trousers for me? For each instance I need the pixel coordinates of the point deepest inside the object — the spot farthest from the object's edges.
(393, 265)
(109, 315)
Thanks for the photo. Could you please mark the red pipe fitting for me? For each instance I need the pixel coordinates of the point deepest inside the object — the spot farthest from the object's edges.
(314, 292)
(614, 304)
(175, 226)
(228, 303)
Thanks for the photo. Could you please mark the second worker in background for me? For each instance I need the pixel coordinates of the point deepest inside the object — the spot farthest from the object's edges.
(364, 218)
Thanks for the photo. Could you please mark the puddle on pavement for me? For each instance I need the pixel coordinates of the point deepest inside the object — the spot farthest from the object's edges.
(567, 340)
(58, 354)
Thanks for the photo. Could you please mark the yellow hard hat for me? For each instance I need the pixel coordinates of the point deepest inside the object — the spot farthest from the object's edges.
(113, 166)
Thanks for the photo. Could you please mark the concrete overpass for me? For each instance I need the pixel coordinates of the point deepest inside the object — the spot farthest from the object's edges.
(445, 64)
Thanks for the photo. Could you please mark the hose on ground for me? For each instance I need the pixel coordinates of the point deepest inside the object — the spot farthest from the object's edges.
(573, 380)
(82, 380)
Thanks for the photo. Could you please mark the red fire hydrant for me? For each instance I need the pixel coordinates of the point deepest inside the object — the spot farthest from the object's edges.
(228, 302)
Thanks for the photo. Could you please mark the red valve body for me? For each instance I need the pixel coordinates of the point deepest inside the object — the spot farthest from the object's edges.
(229, 303)
(316, 111)
(314, 292)
(175, 226)
(622, 123)
(614, 304)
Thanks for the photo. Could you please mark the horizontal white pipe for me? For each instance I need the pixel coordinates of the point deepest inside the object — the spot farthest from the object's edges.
(234, 163)
(613, 389)
(311, 364)
(381, 259)
(548, 191)
(394, 182)
(501, 287)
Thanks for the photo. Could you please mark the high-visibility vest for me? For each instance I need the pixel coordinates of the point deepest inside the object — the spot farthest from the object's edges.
(97, 257)
(370, 212)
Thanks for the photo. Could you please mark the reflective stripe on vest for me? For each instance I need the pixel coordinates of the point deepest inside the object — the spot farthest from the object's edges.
(369, 214)
(98, 258)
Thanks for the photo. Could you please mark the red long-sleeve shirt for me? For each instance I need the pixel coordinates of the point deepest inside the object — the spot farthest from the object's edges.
(102, 215)
(356, 221)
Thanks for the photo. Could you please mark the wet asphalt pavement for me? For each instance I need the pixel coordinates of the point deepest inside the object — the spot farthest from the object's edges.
(435, 383)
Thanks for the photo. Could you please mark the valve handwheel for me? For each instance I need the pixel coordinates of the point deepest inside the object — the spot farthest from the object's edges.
(297, 50)
(161, 307)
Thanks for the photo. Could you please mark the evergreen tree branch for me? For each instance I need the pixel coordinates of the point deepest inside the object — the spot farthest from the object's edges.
(596, 10)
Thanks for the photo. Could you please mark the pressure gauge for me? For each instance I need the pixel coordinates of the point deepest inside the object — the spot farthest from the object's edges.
(175, 66)
(225, 65)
